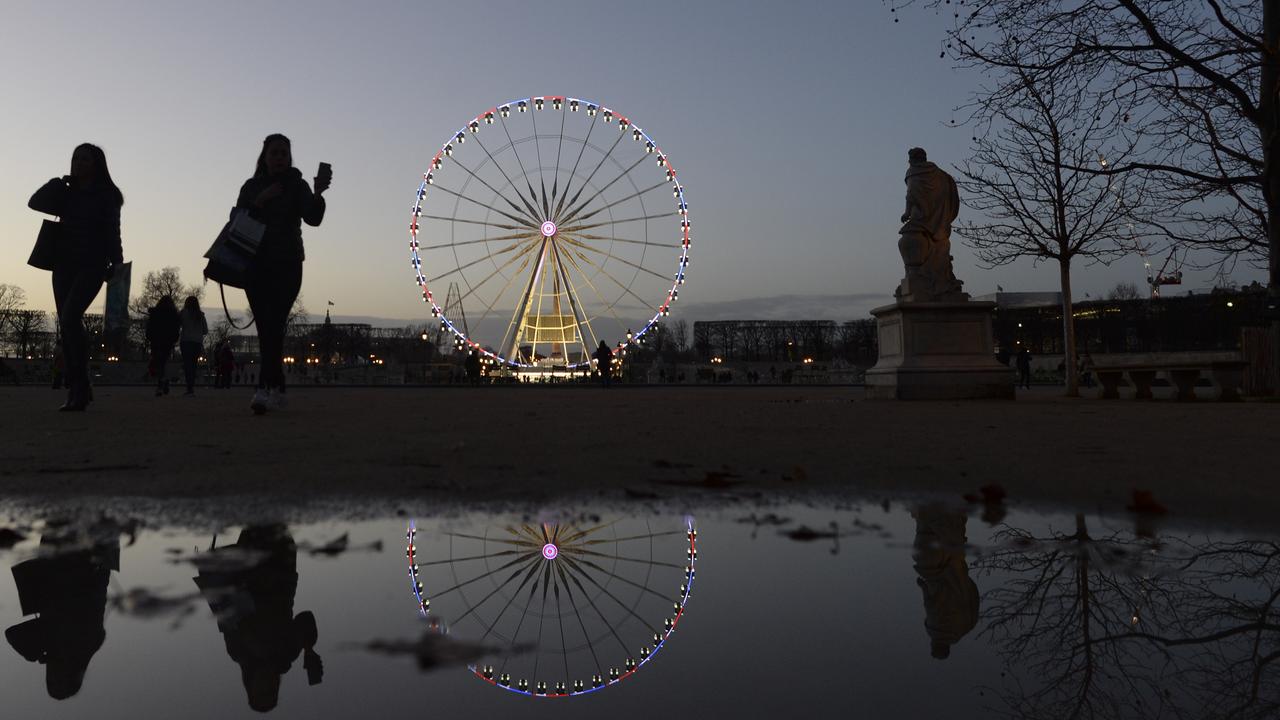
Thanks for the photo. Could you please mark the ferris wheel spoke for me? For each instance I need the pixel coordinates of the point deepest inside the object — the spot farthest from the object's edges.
(578, 534)
(523, 222)
(537, 148)
(611, 238)
(564, 646)
(529, 207)
(620, 578)
(634, 537)
(622, 327)
(601, 190)
(575, 305)
(528, 574)
(542, 613)
(491, 573)
(593, 553)
(485, 539)
(468, 559)
(516, 151)
(528, 602)
(577, 613)
(555, 183)
(460, 268)
(496, 238)
(616, 281)
(594, 170)
(611, 256)
(501, 292)
(523, 253)
(496, 192)
(475, 222)
(569, 182)
(590, 226)
(510, 579)
(635, 194)
(573, 576)
(630, 610)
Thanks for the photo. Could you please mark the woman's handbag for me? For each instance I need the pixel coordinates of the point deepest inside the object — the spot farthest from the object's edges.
(232, 254)
(45, 254)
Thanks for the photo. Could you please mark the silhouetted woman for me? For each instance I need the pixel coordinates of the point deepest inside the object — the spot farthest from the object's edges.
(278, 197)
(88, 203)
(604, 363)
(164, 325)
(250, 587)
(194, 328)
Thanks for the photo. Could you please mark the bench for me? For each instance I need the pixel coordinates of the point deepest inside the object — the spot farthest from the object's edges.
(1183, 369)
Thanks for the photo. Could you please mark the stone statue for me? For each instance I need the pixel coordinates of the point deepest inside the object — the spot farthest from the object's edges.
(951, 598)
(925, 238)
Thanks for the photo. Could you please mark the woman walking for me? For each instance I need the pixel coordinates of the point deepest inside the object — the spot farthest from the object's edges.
(278, 197)
(164, 325)
(194, 328)
(88, 203)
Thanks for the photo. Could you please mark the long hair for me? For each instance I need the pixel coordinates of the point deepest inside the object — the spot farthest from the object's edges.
(261, 170)
(100, 169)
(191, 306)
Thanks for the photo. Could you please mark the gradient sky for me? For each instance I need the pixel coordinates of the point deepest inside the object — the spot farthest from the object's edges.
(789, 123)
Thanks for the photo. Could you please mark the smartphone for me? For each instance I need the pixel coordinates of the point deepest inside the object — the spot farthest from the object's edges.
(325, 170)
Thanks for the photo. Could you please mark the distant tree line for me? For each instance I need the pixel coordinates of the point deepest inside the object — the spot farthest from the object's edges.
(784, 341)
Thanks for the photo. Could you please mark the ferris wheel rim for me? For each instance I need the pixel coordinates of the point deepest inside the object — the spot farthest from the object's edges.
(564, 104)
(487, 673)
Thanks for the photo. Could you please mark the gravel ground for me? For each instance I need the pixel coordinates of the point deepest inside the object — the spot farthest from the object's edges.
(377, 450)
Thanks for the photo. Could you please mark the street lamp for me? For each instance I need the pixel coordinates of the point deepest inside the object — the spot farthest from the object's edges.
(426, 350)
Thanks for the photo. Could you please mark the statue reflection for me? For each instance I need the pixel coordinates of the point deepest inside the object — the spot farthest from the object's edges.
(950, 596)
(250, 588)
(65, 587)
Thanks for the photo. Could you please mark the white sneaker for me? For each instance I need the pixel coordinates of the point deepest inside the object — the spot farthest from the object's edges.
(261, 402)
(277, 400)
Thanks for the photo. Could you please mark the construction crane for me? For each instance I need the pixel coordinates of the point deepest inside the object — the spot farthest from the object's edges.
(1167, 275)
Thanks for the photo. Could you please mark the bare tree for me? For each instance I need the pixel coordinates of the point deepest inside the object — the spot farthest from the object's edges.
(1032, 201)
(24, 329)
(158, 283)
(1124, 291)
(1195, 83)
(12, 299)
(680, 335)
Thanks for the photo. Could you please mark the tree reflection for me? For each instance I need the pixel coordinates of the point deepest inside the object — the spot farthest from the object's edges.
(1115, 626)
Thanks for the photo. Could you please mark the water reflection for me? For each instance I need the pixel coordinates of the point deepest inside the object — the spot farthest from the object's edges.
(1112, 625)
(250, 588)
(950, 595)
(65, 587)
(576, 605)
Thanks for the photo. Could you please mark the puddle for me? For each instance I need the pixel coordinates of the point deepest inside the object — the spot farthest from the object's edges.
(867, 611)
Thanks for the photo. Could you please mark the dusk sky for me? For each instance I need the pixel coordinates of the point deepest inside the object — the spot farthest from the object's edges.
(789, 123)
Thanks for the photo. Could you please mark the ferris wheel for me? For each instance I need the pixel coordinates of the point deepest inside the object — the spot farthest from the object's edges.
(565, 608)
(562, 222)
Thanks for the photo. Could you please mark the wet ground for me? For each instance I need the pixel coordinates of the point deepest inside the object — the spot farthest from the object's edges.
(834, 607)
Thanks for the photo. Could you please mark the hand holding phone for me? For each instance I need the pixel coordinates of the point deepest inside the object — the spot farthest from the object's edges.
(324, 176)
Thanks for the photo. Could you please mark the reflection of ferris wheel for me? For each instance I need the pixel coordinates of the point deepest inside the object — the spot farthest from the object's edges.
(572, 607)
(548, 214)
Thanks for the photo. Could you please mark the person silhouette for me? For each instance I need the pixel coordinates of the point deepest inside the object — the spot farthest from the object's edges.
(88, 250)
(250, 588)
(164, 326)
(280, 199)
(950, 595)
(194, 328)
(65, 587)
(472, 366)
(604, 363)
(1024, 368)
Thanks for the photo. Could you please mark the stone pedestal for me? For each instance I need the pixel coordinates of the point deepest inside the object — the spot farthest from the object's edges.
(937, 351)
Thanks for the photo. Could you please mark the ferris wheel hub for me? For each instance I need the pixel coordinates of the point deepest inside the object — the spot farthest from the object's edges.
(548, 229)
(550, 551)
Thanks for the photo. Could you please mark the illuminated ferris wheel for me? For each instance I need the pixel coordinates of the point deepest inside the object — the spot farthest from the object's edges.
(563, 224)
(565, 608)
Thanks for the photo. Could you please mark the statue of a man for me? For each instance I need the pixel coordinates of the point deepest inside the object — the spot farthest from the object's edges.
(933, 203)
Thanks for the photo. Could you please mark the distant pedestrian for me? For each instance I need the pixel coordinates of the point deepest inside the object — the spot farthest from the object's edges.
(225, 361)
(1024, 367)
(59, 365)
(472, 367)
(164, 326)
(88, 250)
(194, 328)
(279, 198)
(604, 363)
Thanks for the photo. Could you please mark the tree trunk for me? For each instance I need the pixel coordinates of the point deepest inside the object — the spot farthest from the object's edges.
(1068, 331)
(1267, 106)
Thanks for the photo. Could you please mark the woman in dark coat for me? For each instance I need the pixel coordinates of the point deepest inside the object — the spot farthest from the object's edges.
(164, 324)
(278, 197)
(88, 203)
